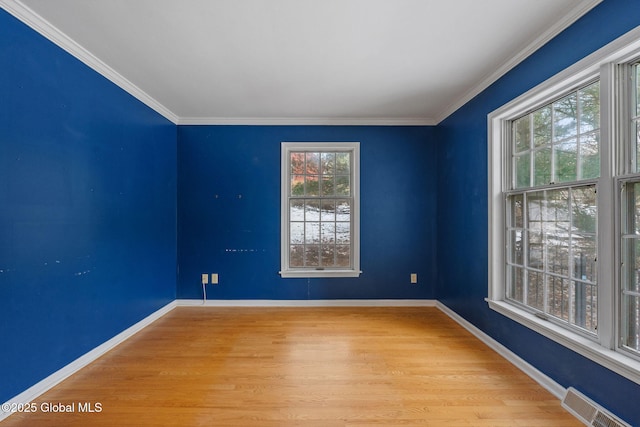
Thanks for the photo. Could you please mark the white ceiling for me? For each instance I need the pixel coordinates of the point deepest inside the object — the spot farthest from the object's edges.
(301, 61)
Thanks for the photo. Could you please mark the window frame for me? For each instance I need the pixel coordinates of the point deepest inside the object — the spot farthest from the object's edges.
(605, 347)
(286, 270)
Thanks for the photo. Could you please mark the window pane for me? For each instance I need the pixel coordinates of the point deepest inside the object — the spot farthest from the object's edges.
(313, 164)
(343, 232)
(312, 186)
(296, 255)
(328, 162)
(558, 300)
(585, 306)
(328, 255)
(631, 322)
(328, 210)
(584, 257)
(565, 118)
(589, 108)
(343, 187)
(312, 232)
(515, 247)
(343, 164)
(523, 170)
(343, 210)
(312, 210)
(296, 233)
(566, 157)
(535, 290)
(542, 167)
(296, 212)
(328, 232)
(297, 164)
(516, 289)
(297, 185)
(328, 186)
(522, 134)
(584, 210)
(516, 219)
(590, 156)
(637, 94)
(343, 256)
(312, 256)
(542, 127)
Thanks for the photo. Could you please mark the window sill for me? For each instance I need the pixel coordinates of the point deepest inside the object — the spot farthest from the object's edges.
(617, 362)
(308, 274)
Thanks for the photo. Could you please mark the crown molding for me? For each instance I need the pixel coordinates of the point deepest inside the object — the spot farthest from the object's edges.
(60, 39)
(307, 121)
(576, 13)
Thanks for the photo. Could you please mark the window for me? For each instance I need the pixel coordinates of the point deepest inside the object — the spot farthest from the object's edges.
(564, 207)
(320, 210)
(552, 209)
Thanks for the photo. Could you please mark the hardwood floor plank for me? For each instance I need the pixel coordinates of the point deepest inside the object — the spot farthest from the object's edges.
(403, 366)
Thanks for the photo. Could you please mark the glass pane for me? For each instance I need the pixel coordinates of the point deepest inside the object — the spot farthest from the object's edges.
(312, 232)
(343, 164)
(296, 233)
(328, 210)
(522, 134)
(312, 210)
(590, 155)
(516, 219)
(297, 163)
(566, 154)
(584, 209)
(536, 251)
(328, 163)
(542, 127)
(343, 232)
(542, 167)
(632, 212)
(634, 282)
(585, 306)
(584, 257)
(328, 232)
(589, 98)
(313, 164)
(343, 210)
(557, 248)
(296, 256)
(555, 212)
(565, 118)
(342, 186)
(328, 186)
(535, 289)
(297, 185)
(312, 186)
(312, 256)
(515, 247)
(558, 297)
(523, 170)
(631, 322)
(516, 290)
(328, 255)
(296, 213)
(637, 142)
(343, 256)
(637, 80)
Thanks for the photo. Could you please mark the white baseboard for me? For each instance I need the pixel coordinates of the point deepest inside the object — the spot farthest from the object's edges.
(550, 385)
(309, 303)
(52, 380)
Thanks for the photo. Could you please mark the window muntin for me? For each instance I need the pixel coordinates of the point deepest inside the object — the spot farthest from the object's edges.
(320, 210)
(551, 216)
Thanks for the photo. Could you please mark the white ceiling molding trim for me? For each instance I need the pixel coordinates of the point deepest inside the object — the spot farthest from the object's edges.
(305, 121)
(566, 21)
(44, 28)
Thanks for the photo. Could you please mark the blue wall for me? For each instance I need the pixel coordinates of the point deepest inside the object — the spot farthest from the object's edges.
(239, 237)
(462, 209)
(87, 208)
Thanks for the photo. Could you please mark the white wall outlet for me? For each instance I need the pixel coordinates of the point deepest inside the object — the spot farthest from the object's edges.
(205, 278)
(214, 278)
(414, 278)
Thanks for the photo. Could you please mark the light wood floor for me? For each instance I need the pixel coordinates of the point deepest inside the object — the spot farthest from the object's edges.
(206, 366)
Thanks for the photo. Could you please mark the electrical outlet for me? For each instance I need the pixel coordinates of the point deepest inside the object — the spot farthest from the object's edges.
(414, 278)
(214, 278)
(205, 278)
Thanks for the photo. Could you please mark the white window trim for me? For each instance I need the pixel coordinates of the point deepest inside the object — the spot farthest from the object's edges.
(602, 62)
(285, 270)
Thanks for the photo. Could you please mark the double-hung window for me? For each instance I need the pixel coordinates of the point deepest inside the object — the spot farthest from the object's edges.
(320, 210)
(564, 207)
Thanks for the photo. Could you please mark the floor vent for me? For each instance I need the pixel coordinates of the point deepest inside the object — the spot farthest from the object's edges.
(589, 412)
